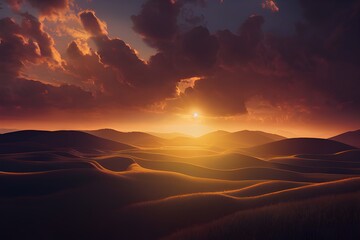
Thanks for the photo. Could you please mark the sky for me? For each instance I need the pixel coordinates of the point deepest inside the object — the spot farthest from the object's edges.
(191, 66)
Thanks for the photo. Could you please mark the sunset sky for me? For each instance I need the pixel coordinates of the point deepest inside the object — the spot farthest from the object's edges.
(287, 66)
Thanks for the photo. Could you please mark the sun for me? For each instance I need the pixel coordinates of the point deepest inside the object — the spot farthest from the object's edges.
(195, 115)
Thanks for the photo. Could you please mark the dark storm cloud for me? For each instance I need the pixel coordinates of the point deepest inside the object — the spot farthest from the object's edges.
(235, 67)
(331, 33)
(334, 27)
(199, 47)
(23, 45)
(32, 28)
(13, 48)
(137, 83)
(241, 47)
(92, 24)
(157, 22)
(315, 68)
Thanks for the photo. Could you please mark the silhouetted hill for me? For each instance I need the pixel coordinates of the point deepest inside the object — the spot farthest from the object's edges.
(329, 217)
(30, 140)
(352, 155)
(295, 146)
(168, 135)
(216, 134)
(133, 138)
(351, 138)
(226, 140)
(49, 182)
(220, 139)
(242, 138)
(252, 138)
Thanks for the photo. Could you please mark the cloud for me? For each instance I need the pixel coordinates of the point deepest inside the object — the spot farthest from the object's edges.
(198, 47)
(270, 4)
(28, 44)
(137, 83)
(248, 64)
(33, 29)
(241, 47)
(15, 49)
(302, 70)
(157, 22)
(46, 8)
(92, 24)
(237, 70)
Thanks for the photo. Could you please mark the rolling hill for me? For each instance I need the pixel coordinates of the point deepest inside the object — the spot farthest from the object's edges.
(31, 140)
(228, 140)
(74, 185)
(218, 139)
(139, 139)
(351, 138)
(295, 146)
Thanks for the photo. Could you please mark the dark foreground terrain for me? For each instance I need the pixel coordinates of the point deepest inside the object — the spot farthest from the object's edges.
(110, 185)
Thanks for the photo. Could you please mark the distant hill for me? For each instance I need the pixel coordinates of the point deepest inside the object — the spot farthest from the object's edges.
(169, 135)
(226, 140)
(351, 138)
(252, 138)
(31, 140)
(216, 134)
(133, 138)
(295, 146)
(239, 139)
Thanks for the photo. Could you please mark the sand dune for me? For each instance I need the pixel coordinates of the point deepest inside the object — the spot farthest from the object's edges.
(303, 191)
(316, 162)
(330, 217)
(239, 139)
(178, 151)
(69, 184)
(351, 138)
(171, 135)
(194, 208)
(296, 146)
(43, 140)
(31, 166)
(116, 164)
(219, 139)
(265, 187)
(46, 182)
(228, 140)
(348, 156)
(216, 161)
(249, 173)
(139, 139)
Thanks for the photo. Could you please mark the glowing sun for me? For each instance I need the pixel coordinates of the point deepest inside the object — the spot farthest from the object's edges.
(195, 115)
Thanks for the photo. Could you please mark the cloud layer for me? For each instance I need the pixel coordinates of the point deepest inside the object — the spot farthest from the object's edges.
(313, 71)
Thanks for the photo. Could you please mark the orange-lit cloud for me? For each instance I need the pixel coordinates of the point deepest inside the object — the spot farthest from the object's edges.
(184, 84)
(266, 77)
(46, 8)
(270, 4)
(93, 25)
